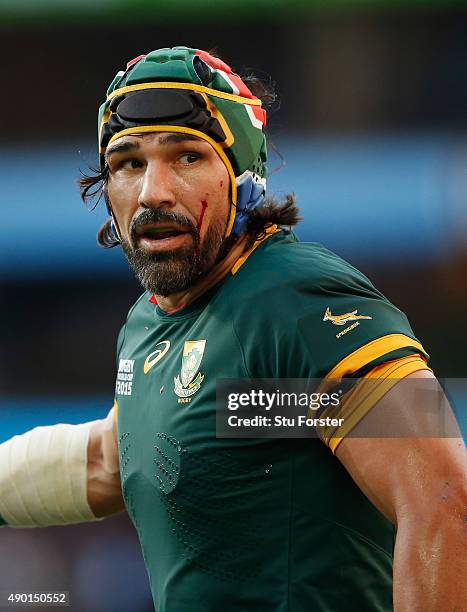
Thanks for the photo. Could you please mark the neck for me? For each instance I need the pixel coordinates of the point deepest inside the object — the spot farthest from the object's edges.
(177, 301)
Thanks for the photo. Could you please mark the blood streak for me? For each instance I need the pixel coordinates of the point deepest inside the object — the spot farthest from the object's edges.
(204, 205)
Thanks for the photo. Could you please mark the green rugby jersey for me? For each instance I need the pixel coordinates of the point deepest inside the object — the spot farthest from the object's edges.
(253, 524)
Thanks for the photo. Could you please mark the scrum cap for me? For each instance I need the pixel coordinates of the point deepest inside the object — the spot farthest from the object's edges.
(187, 90)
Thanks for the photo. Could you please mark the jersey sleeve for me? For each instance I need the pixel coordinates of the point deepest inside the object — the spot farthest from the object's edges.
(307, 314)
(351, 328)
(354, 331)
(310, 314)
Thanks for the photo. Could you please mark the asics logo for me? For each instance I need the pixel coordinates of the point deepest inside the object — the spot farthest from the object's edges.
(156, 355)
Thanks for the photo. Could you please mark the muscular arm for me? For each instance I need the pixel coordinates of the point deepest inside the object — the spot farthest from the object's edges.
(421, 485)
(103, 484)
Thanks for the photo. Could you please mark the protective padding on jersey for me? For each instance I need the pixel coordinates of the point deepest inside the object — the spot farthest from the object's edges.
(184, 89)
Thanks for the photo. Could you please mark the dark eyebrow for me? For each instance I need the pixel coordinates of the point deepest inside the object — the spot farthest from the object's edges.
(131, 145)
(122, 147)
(177, 137)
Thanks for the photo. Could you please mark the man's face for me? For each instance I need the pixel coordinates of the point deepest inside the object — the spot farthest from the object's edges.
(169, 193)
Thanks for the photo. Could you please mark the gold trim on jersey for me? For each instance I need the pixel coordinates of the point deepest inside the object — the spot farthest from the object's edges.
(373, 350)
(268, 232)
(362, 397)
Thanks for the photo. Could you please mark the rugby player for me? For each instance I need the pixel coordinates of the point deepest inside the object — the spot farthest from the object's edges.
(230, 292)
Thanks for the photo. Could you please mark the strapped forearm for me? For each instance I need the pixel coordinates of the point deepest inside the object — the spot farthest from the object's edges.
(43, 477)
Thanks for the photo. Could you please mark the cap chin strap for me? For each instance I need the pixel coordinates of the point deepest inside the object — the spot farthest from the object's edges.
(114, 228)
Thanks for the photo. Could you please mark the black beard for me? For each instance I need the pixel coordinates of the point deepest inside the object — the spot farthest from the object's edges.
(170, 272)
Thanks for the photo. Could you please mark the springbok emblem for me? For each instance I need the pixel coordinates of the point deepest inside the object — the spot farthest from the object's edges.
(343, 318)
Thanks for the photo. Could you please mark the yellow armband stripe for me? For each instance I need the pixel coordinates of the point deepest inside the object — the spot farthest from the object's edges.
(359, 401)
(370, 352)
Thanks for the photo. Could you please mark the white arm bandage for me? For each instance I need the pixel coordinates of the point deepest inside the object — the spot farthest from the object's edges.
(43, 477)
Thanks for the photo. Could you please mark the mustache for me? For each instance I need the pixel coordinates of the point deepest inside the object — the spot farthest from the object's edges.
(153, 215)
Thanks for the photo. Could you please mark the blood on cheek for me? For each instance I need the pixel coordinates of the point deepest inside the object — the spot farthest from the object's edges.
(204, 205)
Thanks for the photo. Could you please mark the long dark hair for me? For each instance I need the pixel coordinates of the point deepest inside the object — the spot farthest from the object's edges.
(92, 186)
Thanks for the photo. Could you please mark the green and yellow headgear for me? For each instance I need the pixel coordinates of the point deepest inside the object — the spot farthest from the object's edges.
(187, 90)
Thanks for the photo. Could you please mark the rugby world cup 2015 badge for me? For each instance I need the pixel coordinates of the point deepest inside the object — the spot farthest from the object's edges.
(190, 378)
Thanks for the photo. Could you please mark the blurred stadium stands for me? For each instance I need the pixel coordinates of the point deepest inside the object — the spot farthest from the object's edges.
(373, 129)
